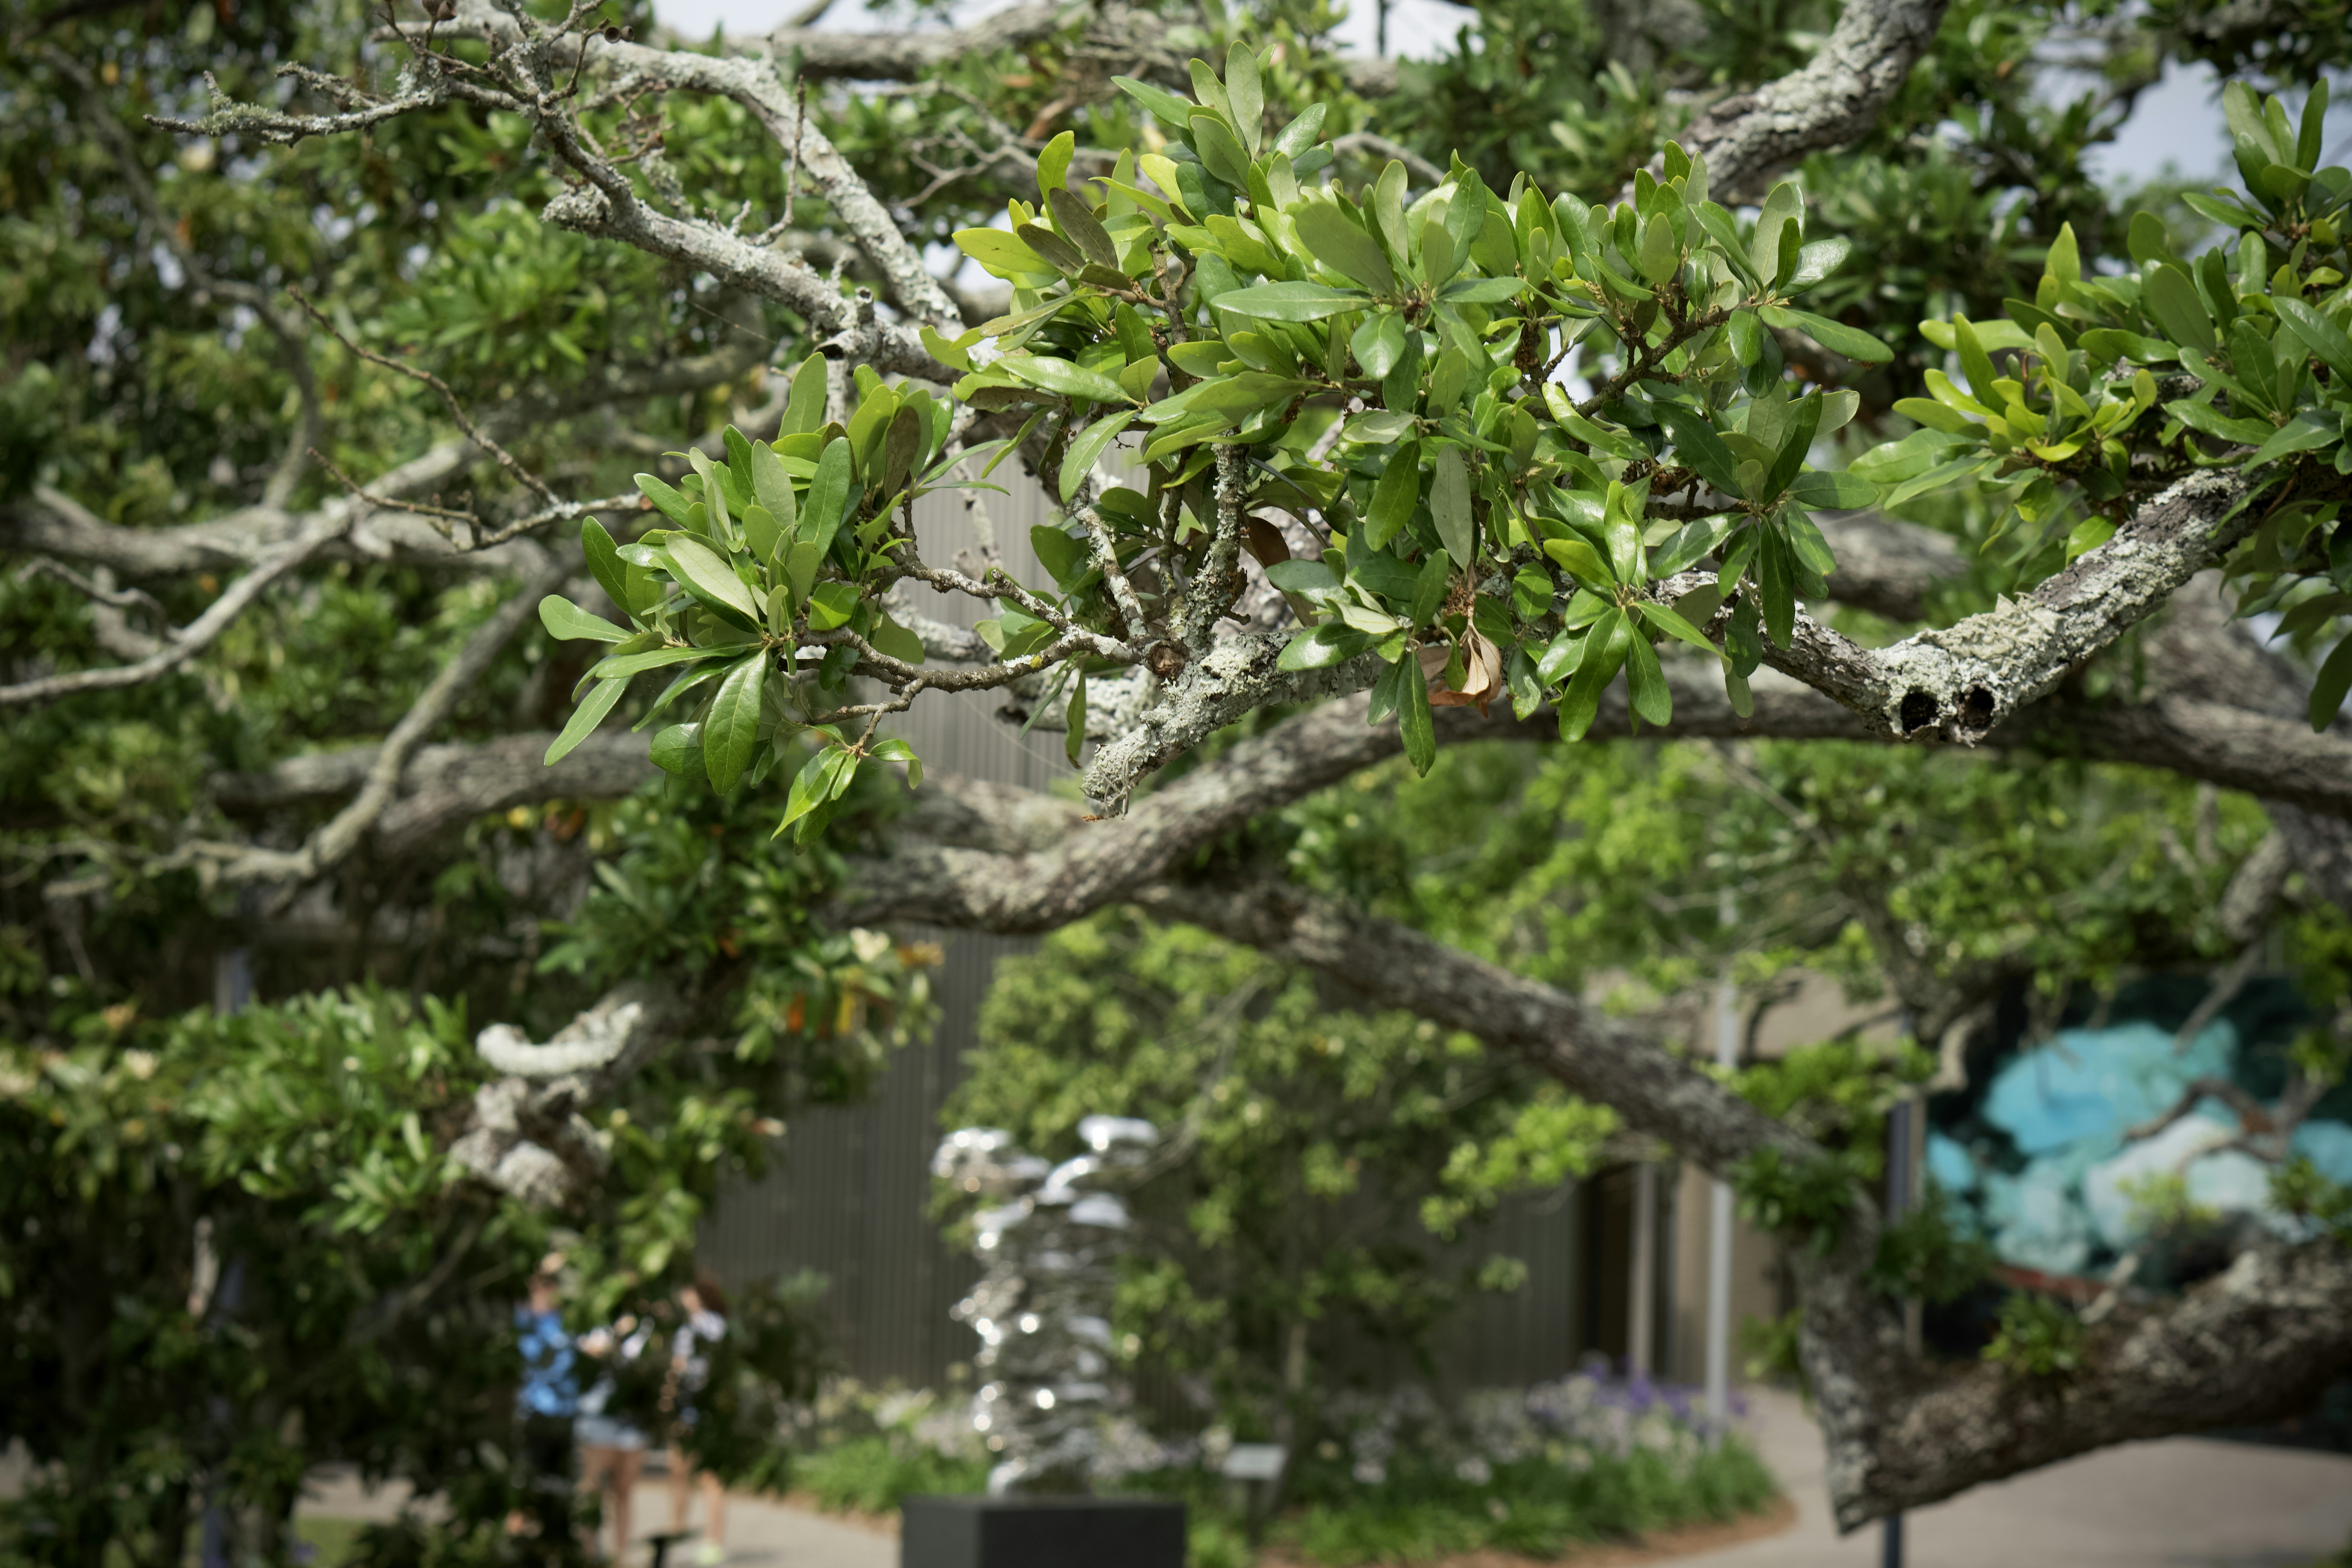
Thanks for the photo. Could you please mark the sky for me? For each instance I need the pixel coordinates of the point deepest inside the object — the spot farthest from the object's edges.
(2178, 123)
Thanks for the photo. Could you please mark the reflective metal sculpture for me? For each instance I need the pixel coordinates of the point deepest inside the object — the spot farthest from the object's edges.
(1051, 1240)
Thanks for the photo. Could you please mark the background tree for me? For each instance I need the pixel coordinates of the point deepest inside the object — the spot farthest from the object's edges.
(1360, 391)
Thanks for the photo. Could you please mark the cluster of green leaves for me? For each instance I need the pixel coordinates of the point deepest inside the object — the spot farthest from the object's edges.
(1312, 1136)
(2037, 1338)
(1803, 1199)
(1444, 317)
(779, 544)
(694, 897)
(1541, 1506)
(1488, 534)
(2044, 428)
(1926, 1256)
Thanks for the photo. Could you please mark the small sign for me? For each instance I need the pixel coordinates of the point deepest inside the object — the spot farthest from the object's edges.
(1254, 1461)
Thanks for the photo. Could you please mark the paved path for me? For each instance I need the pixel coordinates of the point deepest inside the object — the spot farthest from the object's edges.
(2184, 1502)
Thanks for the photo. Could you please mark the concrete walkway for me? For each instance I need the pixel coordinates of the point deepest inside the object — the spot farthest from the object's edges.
(2183, 1503)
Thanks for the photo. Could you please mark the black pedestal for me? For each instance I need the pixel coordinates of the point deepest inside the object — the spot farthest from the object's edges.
(1041, 1533)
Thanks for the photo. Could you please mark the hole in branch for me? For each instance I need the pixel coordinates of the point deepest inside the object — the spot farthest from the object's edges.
(1920, 709)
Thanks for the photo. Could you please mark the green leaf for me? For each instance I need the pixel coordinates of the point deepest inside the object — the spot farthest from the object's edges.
(567, 622)
(1245, 95)
(1388, 691)
(703, 573)
(805, 412)
(2170, 296)
(1646, 679)
(1220, 153)
(1605, 648)
(1796, 440)
(831, 605)
(605, 563)
(1700, 448)
(1975, 362)
(671, 504)
(1449, 505)
(1000, 252)
(1939, 476)
(620, 667)
(1482, 290)
(1086, 230)
(2065, 260)
(730, 732)
(2320, 335)
(591, 713)
(1176, 112)
(2211, 421)
(2329, 691)
(1395, 496)
(1670, 621)
(1583, 563)
(1430, 587)
(1067, 557)
(1777, 584)
(677, 751)
(1831, 492)
(1338, 242)
(822, 780)
(2308, 430)
(1834, 336)
(1289, 301)
(1414, 721)
(1079, 460)
(897, 642)
(1816, 261)
(891, 749)
(1322, 646)
(1297, 576)
(1062, 378)
(1054, 165)
(1073, 718)
(828, 495)
(762, 534)
(1378, 343)
(801, 563)
(1302, 132)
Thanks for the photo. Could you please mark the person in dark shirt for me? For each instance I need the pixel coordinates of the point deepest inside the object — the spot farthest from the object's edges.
(545, 1402)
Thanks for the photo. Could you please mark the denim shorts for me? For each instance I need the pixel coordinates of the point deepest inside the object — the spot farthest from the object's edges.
(604, 1432)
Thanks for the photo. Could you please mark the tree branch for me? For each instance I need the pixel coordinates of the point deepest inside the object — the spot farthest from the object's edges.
(1833, 99)
(193, 638)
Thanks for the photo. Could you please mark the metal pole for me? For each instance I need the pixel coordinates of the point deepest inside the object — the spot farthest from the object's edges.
(1898, 1200)
(1718, 1228)
(1641, 1304)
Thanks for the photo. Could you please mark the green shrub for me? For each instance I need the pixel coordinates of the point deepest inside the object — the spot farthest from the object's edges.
(874, 1474)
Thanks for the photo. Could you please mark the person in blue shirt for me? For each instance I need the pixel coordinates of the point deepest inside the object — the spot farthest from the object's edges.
(546, 1401)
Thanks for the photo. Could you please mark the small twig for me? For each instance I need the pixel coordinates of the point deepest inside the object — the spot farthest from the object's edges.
(198, 635)
(114, 598)
(474, 432)
(2226, 986)
(792, 158)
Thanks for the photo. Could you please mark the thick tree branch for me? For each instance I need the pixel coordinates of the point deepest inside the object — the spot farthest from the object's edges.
(342, 833)
(443, 786)
(1958, 682)
(1832, 100)
(2252, 1345)
(528, 1136)
(195, 638)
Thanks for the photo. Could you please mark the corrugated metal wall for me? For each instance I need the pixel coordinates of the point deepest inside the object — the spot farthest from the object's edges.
(850, 1197)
